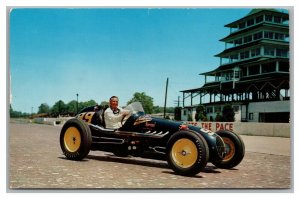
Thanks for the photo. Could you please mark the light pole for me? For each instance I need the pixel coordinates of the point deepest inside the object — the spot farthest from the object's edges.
(77, 104)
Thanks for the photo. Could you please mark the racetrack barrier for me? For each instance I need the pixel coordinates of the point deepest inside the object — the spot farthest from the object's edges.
(51, 121)
(249, 128)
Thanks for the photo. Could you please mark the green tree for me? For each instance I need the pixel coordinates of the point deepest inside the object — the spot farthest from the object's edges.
(104, 103)
(16, 114)
(190, 117)
(72, 107)
(44, 108)
(200, 113)
(59, 108)
(219, 118)
(82, 105)
(177, 113)
(228, 113)
(145, 100)
(157, 109)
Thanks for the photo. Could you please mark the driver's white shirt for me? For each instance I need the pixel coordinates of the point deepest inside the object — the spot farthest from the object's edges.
(112, 120)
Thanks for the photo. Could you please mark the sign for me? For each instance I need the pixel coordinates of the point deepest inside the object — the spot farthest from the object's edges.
(214, 126)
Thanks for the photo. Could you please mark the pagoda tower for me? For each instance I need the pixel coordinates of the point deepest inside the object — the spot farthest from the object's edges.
(253, 75)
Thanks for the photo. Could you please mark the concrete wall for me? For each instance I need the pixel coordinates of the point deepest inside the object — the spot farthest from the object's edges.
(267, 107)
(249, 128)
(50, 121)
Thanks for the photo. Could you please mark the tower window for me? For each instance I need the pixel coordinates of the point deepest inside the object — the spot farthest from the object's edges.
(257, 36)
(268, 35)
(281, 52)
(269, 67)
(279, 36)
(250, 22)
(277, 19)
(269, 51)
(269, 18)
(259, 19)
(245, 55)
(242, 25)
(255, 52)
(248, 39)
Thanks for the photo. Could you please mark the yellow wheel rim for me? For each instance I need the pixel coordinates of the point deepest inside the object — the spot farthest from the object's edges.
(72, 139)
(184, 153)
(229, 148)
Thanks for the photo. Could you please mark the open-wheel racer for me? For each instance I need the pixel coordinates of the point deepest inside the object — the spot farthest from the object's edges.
(186, 148)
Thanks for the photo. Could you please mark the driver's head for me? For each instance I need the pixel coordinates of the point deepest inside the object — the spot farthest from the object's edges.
(114, 102)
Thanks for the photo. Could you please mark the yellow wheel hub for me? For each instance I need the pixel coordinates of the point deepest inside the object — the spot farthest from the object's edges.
(229, 148)
(184, 153)
(72, 139)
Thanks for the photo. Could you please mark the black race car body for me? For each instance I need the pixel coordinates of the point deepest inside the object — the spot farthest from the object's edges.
(186, 148)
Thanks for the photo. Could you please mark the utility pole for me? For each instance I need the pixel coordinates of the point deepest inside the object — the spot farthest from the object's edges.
(165, 107)
(77, 104)
(177, 102)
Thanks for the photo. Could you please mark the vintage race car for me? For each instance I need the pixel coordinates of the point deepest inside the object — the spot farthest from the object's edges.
(186, 148)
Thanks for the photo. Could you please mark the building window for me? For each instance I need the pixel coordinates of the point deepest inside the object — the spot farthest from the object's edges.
(209, 109)
(255, 52)
(244, 72)
(269, 35)
(254, 70)
(269, 51)
(277, 19)
(236, 74)
(227, 76)
(284, 67)
(248, 39)
(242, 25)
(269, 67)
(286, 38)
(281, 53)
(217, 109)
(250, 116)
(257, 36)
(244, 55)
(238, 42)
(250, 22)
(279, 36)
(269, 18)
(184, 112)
(234, 58)
(259, 19)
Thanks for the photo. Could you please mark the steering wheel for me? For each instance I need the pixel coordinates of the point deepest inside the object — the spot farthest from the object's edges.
(125, 118)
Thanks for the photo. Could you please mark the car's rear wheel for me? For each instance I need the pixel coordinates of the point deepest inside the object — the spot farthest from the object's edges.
(234, 148)
(187, 153)
(75, 139)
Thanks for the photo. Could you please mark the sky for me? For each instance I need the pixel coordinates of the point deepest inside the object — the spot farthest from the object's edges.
(55, 53)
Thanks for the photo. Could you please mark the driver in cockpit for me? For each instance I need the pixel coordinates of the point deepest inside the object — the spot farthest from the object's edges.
(114, 114)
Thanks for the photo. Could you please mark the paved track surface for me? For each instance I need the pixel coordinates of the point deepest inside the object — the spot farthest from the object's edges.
(36, 162)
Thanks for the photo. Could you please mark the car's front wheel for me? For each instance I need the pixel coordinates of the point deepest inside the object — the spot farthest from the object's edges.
(75, 139)
(187, 153)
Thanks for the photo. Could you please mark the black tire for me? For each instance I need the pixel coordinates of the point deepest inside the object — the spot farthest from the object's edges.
(187, 153)
(235, 150)
(75, 139)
